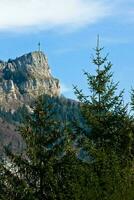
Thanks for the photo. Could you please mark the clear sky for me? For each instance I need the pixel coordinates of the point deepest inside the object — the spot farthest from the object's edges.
(67, 30)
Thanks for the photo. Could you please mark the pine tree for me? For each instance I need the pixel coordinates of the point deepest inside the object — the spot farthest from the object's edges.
(34, 174)
(103, 110)
(108, 135)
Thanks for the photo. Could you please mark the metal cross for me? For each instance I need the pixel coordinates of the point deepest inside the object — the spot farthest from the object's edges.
(39, 46)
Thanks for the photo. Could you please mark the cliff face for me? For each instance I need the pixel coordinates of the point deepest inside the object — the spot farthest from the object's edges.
(24, 79)
(21, 81)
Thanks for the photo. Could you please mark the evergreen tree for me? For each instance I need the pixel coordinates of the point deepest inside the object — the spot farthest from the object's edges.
(104, 110)
(108, 135)
(34, 174)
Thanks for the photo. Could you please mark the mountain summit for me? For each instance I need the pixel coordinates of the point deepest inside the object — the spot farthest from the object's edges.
(24, 79)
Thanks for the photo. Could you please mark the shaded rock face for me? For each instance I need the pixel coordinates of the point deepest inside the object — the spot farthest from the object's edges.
(10, 138)
(24, 79)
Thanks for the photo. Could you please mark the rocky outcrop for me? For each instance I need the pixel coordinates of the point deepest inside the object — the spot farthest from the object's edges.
(24, 79)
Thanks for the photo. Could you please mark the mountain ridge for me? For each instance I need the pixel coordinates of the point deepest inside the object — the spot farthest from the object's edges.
(22, 80)
(25, 78)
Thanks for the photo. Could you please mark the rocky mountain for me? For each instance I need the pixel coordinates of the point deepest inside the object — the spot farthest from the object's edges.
(24, 79)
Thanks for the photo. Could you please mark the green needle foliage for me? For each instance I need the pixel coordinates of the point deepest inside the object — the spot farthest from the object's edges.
(109, 136)
(34, 174)
(104, 110)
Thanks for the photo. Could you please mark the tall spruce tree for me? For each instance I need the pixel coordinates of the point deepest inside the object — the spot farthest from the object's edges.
(108, 135)
(103, 110)
(34, 174)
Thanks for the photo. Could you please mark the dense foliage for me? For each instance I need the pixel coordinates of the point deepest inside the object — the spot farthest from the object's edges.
(110, 137)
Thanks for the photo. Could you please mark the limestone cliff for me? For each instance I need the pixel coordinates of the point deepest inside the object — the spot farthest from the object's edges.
(24, 79)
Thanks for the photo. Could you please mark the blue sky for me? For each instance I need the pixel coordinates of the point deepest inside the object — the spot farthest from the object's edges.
(67, 30)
